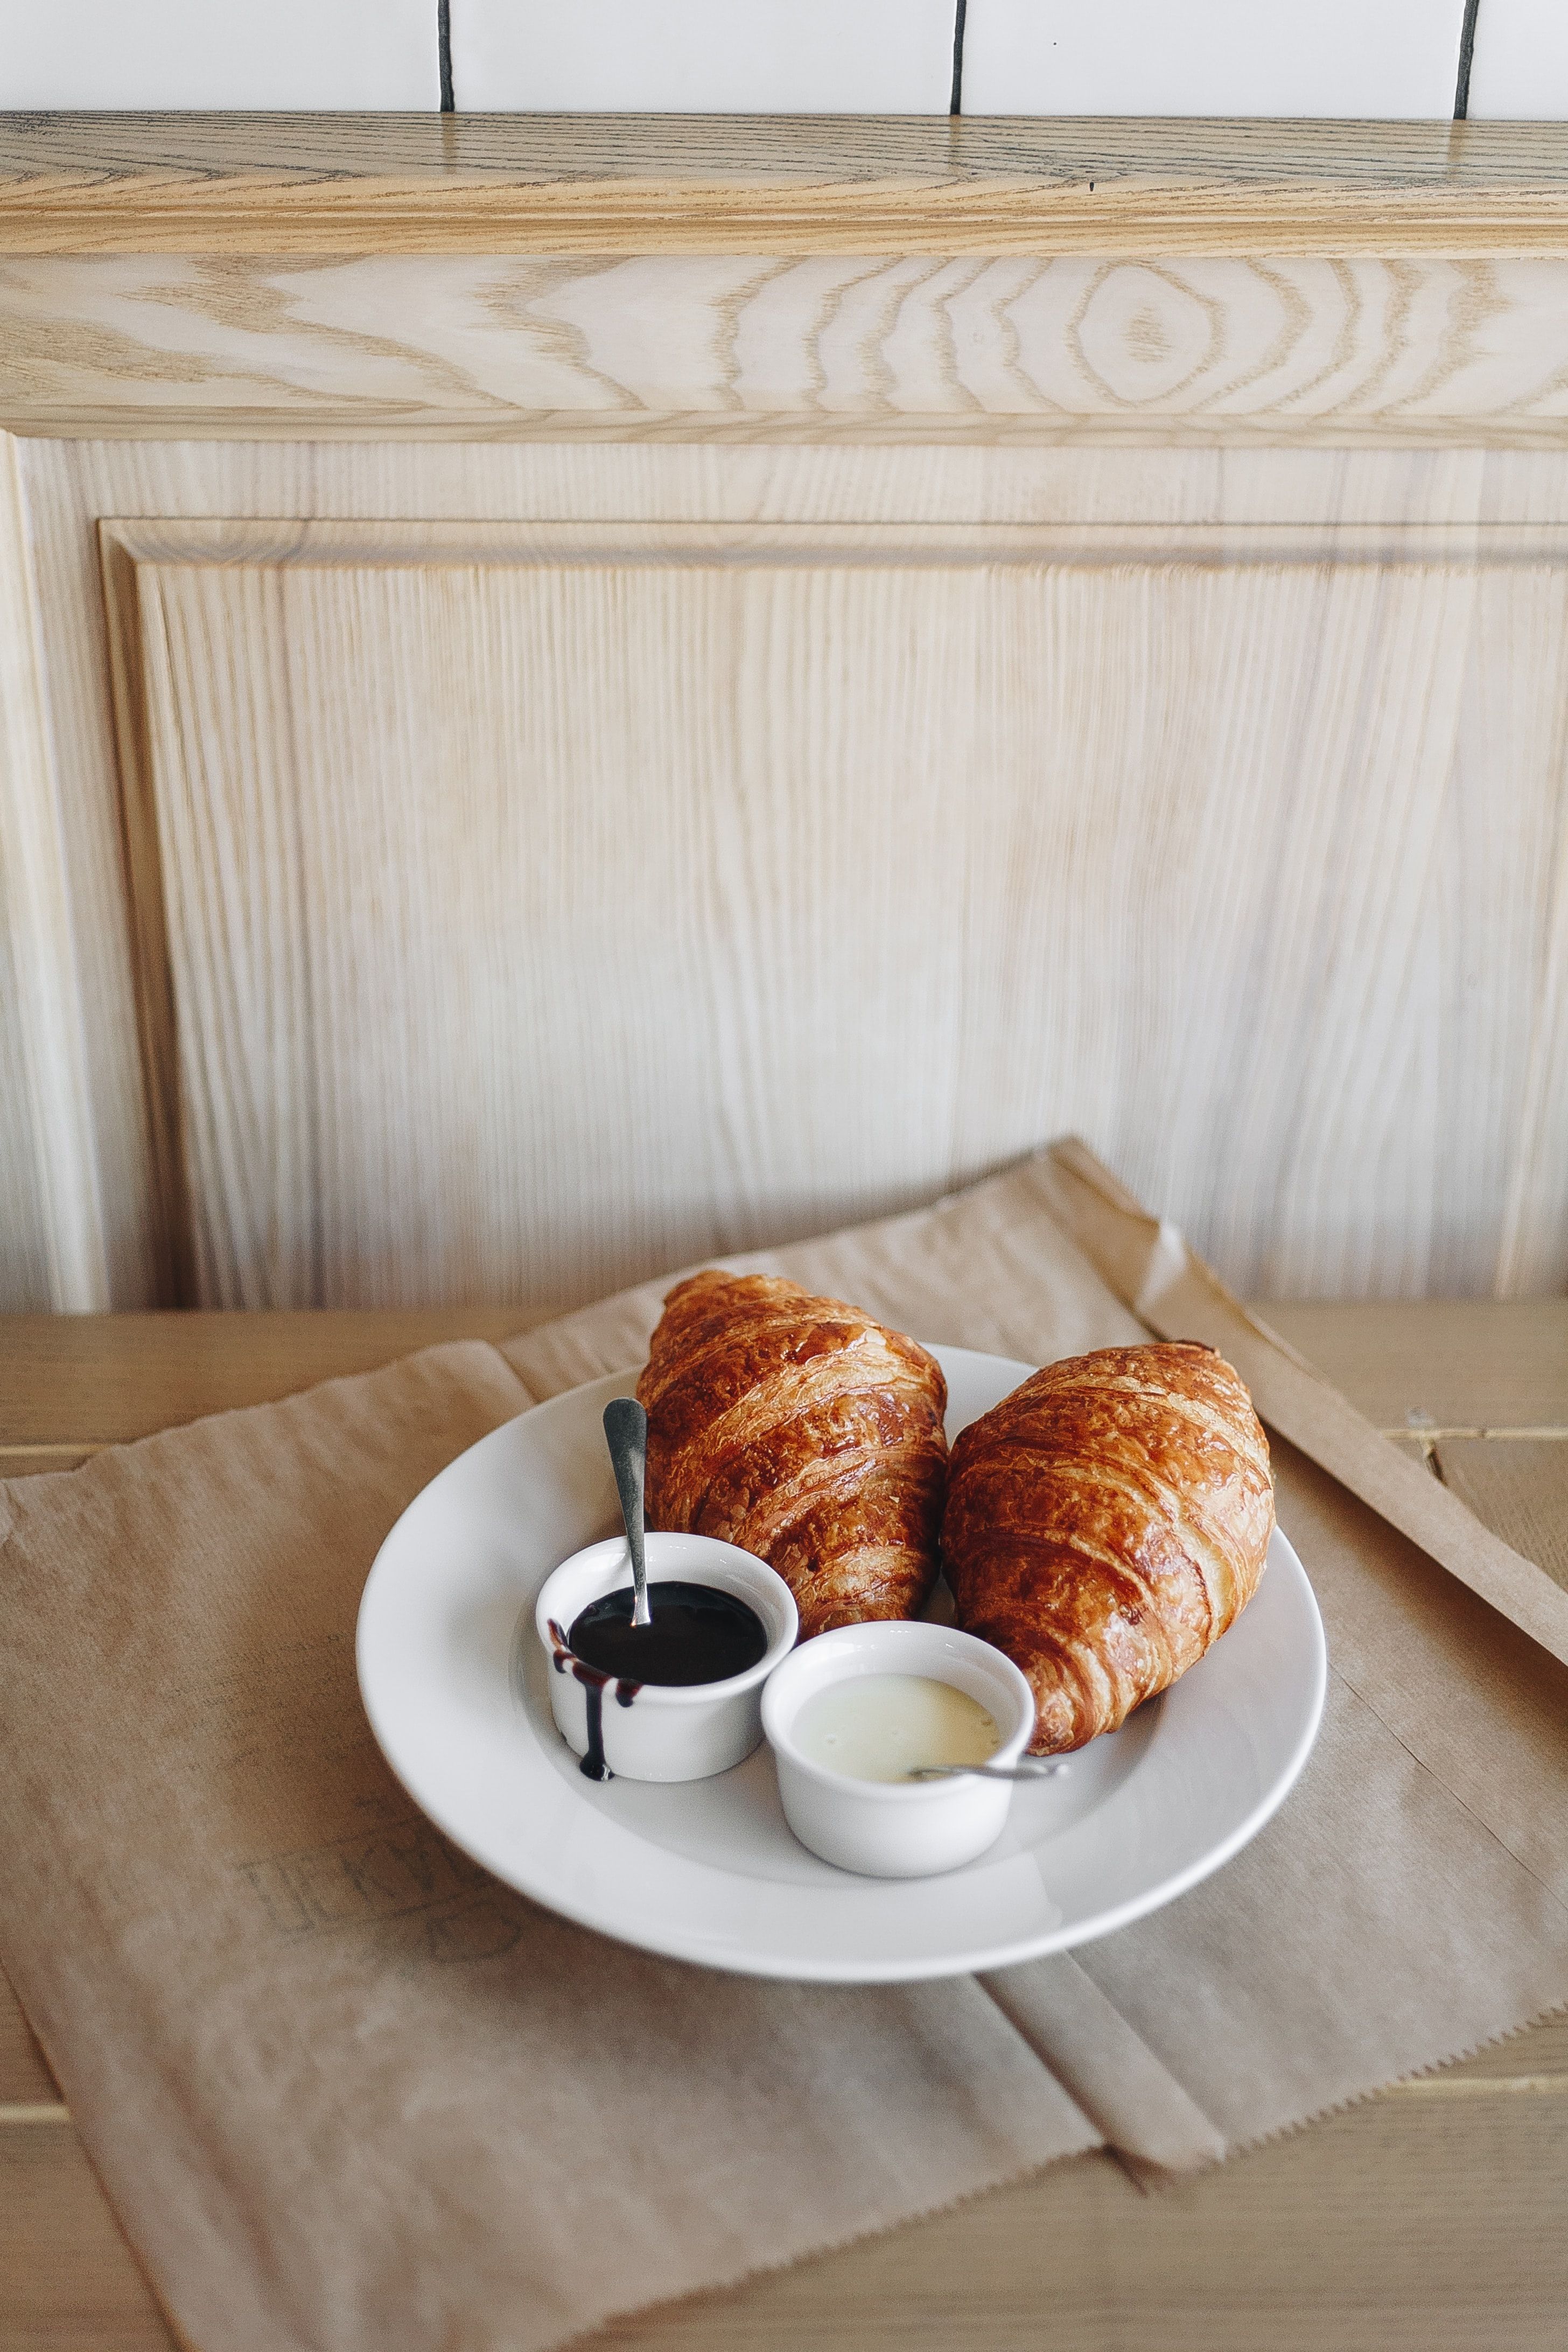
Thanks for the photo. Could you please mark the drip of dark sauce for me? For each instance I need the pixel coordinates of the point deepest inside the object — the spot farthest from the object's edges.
(592, 1762)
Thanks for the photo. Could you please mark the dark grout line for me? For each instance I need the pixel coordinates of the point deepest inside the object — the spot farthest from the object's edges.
(1466, 58)
(444, 48)
(956, 104)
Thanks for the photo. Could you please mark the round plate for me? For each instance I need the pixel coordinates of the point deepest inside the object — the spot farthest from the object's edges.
(454, 1685)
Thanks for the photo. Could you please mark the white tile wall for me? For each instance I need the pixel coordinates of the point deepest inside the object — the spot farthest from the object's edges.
(1520, 70)
(1389, 58)
(305, 54)
(1344, 57)
(699, 57)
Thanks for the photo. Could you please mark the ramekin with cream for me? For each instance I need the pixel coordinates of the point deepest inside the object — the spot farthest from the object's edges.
(845, 1737)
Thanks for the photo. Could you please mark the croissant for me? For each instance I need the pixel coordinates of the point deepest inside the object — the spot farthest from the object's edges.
(1104, 1523)
(801, 1430)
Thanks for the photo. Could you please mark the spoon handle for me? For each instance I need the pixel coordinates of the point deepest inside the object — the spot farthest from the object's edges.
(625, 1433)
(1041, 1769)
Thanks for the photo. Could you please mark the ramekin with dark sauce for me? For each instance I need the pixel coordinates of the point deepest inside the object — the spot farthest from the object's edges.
(681, 1698)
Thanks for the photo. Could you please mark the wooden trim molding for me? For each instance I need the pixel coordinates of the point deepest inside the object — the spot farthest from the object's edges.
(789, 279)
(784, 186)
(833, 348)
(288, 543)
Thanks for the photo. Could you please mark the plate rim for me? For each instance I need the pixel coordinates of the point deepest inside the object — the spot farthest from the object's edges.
(825, 1969)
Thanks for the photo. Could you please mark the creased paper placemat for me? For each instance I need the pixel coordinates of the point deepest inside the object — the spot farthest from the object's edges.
(346, 2092)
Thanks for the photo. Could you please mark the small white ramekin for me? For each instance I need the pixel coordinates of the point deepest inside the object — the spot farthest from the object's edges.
(895, 1829)
(668, 1732)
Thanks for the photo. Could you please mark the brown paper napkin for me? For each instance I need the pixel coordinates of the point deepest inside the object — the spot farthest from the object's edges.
(1411, 1901)
(345, 2091)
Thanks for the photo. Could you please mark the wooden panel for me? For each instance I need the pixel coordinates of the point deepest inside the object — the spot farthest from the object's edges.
(68, 485)
(1228, 348)
(1275, 859)
(552, 985)
(611, 184)
(541, 907)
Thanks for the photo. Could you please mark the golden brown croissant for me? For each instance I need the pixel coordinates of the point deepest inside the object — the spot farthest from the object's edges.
(1104, 1523)
(801, 1430)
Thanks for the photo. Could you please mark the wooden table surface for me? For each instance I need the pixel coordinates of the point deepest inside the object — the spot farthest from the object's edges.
(1428, 2218)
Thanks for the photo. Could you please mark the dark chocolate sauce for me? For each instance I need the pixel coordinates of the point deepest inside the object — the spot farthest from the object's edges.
(698, 1634)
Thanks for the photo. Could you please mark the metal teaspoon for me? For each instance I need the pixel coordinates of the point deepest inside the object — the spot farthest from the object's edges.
(1041, 1769)
(626, 1434)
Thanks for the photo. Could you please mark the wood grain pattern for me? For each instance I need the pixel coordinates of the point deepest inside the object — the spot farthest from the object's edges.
(1412, 2224)
(776, 184)
(69, 2281)
(78, 1205)
(25, 2077)
(1537, 2055)
(1428, 2224)
(50, 1233)
(87, 1381)
(1340, 350)
(75, 1381)
(1538, 1194)
(1307, 2246)
(1437, 1362)
(1163, 491)
(1222, 924)
(24, 1270)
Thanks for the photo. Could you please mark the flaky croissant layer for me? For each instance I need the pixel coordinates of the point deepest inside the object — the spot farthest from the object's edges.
(1105, 1523)
(804, 1432)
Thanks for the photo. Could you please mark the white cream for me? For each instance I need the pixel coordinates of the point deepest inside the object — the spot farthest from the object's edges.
(877, 1727)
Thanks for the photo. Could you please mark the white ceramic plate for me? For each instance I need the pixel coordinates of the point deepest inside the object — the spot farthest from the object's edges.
(454, 1684)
